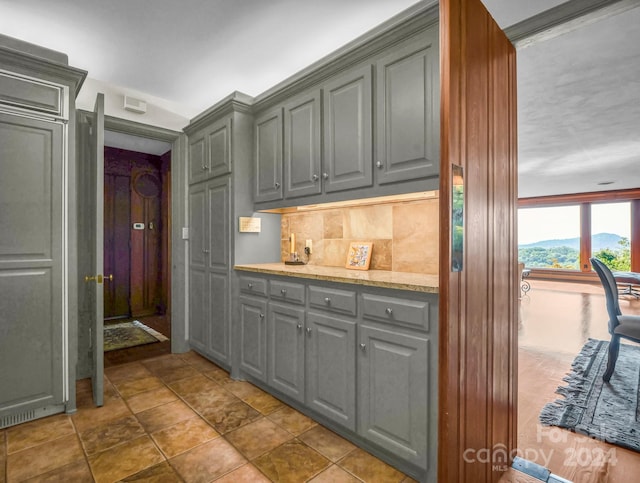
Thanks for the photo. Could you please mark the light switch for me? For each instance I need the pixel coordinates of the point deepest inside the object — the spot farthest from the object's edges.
(185, 233)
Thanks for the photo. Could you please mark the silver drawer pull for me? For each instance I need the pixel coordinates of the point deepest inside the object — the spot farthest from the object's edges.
(325, 175)
(205, 251)
(250, 285)
(327, 300)
(363, 347)
(315, 177)
(309, 330)
(262, 316)
(277, 185)
(389, 310)
(283, 291)
(299, 326)
(379, 165)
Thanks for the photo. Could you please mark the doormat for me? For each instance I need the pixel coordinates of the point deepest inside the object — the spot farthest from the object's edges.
(129, 334)
(604, 411)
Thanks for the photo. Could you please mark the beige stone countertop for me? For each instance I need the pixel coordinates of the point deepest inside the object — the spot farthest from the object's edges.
(377, 278)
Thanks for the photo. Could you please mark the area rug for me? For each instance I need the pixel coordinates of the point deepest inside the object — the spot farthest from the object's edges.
(600, 410)
(129, 334)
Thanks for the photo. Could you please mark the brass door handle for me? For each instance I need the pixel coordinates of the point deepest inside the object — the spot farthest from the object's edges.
(98, 278)
(108, 278)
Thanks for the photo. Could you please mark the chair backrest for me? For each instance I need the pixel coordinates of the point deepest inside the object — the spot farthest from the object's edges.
(610, 291)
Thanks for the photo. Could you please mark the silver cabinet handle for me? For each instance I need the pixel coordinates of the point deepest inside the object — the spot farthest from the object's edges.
(389, 310)
(299, 326)
(363, 347)
(325, 175)
(283, 291)
(204, 250)
(309, 330)
(277, 185)
(327, 300)
(379, 165)
(204, 167)
(315, 177)
(262, 316)
(250, 285)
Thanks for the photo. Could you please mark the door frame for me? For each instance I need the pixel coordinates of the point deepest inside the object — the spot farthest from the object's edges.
(177, 218)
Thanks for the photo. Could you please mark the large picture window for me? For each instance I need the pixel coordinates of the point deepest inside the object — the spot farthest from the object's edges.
(549, 237)
(611, 234)
(562, 232)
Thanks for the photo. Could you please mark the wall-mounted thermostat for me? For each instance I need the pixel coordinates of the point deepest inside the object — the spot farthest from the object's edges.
(138, 226)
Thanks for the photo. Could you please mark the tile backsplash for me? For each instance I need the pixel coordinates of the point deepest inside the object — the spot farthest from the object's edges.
(404, 235)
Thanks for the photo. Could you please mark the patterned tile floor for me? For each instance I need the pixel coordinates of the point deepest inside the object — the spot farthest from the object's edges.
(180, 418)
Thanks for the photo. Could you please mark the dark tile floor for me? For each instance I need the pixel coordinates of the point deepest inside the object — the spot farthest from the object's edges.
(180, 418)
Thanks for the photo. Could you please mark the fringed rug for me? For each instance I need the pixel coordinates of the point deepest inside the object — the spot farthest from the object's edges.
(129, 334)
(604, 411)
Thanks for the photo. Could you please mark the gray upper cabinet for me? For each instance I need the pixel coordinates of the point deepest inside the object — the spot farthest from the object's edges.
(210, 151)
(268, 156)
(302, 149)
(348, 161)
(408, 111)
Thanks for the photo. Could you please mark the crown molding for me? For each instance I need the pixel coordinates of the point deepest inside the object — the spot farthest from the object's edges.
(564, 18)
(234, 102)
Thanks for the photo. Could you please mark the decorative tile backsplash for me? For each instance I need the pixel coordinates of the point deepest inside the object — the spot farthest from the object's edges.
(404, 235)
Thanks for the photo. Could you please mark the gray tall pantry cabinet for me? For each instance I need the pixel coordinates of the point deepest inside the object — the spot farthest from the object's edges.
(219, 148)
(37, 228)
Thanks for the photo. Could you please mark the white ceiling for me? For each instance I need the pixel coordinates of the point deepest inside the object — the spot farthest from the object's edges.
(578, 93)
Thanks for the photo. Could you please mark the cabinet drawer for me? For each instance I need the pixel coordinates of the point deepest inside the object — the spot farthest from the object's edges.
(253, 285)
(290, 292)
(334, 300)
(407, 312)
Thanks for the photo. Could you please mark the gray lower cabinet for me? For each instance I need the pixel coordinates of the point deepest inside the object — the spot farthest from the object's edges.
(393, 392)
(209, 291)
(331, 368)
(286, 349)
(253, 337)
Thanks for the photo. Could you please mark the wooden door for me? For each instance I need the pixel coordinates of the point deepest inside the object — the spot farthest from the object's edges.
(478, 305)
(32, 356)
(117, 229)
(146, 241)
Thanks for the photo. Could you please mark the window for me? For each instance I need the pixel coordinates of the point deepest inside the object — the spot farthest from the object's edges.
(549, 237)
(611, 234)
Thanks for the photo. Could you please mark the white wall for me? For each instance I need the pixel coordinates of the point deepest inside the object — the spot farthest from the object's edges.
(160, 112)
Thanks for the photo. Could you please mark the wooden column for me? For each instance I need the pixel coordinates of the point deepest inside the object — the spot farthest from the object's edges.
(478, 306)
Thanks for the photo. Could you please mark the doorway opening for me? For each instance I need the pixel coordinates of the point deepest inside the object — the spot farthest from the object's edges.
(137, 255)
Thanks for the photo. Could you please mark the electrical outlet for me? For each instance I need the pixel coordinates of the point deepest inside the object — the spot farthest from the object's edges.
(308, 245)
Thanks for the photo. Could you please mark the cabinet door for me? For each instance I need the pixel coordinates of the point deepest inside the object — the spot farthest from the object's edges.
(218, 219)
(302, 146)
(268, 156)
(393, 392)
(198, 267)
(253, 337)
(218, 316)
(198, 157)
(331, 368)
(348, 161)
(408, 112)
(219, 148)
(286, 350)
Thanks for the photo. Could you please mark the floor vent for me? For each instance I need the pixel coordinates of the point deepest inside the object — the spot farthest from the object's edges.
(14, 419)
